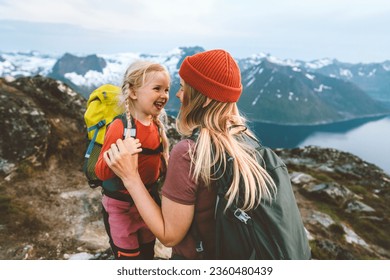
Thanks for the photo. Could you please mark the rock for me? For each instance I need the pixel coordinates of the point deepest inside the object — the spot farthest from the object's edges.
(358, 206)
(320, 218)
(299, 178)
(23, 253)
(80, 256)
(37, 117)
(326, 249)
(352, 237)
(331, 192)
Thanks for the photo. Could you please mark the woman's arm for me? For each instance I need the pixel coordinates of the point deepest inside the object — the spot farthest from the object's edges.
(171, 222)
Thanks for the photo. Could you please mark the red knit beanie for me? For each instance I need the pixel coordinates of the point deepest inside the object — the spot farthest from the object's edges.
(213, 73)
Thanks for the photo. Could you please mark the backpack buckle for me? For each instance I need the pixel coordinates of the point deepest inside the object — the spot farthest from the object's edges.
(199, 247)
(241, 215)
(101, 123)
(132, 132)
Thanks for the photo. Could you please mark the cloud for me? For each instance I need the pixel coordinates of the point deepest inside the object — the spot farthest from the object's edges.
(201, 17)
(115, 15)
(285, 28)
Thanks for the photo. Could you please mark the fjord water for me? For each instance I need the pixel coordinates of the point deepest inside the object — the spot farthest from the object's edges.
(367, 138)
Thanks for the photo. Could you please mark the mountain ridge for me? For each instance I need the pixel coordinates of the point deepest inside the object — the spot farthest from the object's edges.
(295, 92)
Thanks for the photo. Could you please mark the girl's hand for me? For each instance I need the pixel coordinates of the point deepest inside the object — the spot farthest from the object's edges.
(132, 145)
(122, 157)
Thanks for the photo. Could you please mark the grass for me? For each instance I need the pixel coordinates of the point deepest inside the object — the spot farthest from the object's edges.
(358, 189)
(18, 217)
(371, 232)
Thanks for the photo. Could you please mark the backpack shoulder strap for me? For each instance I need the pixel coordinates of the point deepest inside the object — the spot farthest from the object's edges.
(133, 129)
(133, 133)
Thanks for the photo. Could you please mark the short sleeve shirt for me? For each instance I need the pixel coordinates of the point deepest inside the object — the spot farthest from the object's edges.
(181, 188)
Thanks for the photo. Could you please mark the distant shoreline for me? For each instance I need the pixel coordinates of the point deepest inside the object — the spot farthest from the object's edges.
(373, 116)
(250, 120)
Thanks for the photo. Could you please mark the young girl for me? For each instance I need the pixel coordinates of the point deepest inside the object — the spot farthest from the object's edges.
(145, 91)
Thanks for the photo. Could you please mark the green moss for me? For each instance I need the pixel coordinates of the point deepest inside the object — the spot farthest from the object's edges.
(319, 253)
(371, 232)
(358, 189)
(328, 209)
(322, 177)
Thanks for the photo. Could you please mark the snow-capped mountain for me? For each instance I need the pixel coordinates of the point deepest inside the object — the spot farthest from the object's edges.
(83, 72)
(373, 78)
(289, 93)
(275, 90)
(22, 64)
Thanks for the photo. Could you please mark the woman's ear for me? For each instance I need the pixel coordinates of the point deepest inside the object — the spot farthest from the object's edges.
(207, 102)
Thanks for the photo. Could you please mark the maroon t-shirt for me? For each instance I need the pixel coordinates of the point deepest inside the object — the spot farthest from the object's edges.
(180, 188)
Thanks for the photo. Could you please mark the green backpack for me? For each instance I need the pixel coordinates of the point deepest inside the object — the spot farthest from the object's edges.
(272, 231)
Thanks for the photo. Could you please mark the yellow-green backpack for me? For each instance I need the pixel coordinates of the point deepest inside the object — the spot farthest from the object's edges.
(102, 108)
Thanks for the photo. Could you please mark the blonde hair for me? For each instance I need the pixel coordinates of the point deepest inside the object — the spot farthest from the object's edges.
(135, 77)
(218, 124)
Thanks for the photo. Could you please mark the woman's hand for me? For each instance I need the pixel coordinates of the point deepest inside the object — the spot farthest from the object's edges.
(122, 157)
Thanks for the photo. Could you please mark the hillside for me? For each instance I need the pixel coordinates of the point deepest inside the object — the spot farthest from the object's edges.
(47, 210)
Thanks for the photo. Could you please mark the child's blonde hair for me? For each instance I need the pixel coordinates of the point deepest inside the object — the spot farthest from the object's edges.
(135, 77)
(218, 122)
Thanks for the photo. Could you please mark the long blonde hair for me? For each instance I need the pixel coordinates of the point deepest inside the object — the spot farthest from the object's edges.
(216, 139)
(135, 77)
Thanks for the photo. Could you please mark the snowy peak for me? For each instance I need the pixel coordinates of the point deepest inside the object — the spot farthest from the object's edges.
(18, 64)
(69, 63)
(277, 90)
(291, 94)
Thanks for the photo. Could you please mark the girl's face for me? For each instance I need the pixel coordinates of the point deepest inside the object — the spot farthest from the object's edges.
(151, 98)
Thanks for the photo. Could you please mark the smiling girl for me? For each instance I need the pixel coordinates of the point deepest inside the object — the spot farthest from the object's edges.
(145, 91)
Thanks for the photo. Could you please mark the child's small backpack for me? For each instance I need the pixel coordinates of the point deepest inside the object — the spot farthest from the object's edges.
(102, 108)
(274, 230)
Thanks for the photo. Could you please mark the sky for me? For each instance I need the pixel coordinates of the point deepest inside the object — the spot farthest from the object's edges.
(348, 30)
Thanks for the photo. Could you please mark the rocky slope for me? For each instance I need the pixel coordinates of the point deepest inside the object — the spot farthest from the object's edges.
(47, 210)
(344, 202)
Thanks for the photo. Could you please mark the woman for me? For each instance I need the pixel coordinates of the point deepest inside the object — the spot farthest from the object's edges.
(210, 86)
